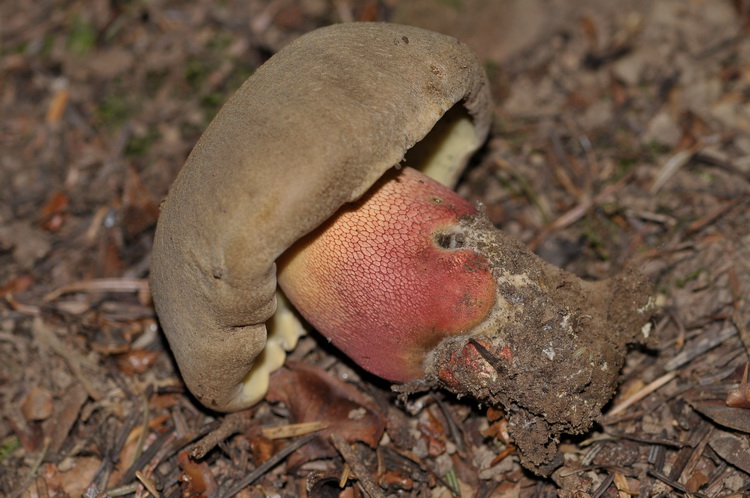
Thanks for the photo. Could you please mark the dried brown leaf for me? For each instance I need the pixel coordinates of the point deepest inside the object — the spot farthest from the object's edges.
(313, 395)
(17, 283)
(696, 481)
(434, 433)
(734, 418)
(52, 215)
(137, 361)
(66, 414)
(38, 404)
(733, 448)
(140, 209)
(197, 478)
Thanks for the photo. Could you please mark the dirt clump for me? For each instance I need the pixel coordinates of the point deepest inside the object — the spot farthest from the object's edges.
(552, 354)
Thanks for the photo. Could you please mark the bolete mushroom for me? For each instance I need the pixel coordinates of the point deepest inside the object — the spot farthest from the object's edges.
(303, 166)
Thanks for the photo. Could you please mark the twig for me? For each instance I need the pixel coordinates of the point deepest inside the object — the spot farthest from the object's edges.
(24, 309)
(101, 285)
(707, 158)
(526, 189)
(670, 168)
(697, 452)
(294, 430)
(144, 432)
(74, 360)
(147, 482)
(268, 465)
(365, 480)
(671, 443)
(127, 489)
(674, 484)
(712, 215)
(34, 469)
(165, 446)
(653, 386)
(695, 348)
(604, 486)
(456, 433)
(231, 424)
(579, 210)
(166, 439)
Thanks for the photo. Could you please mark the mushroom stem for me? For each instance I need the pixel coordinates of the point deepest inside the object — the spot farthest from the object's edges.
(417, 286)
(551, 351)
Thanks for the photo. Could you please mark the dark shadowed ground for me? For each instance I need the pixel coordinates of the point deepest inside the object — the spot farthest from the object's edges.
(622, 136)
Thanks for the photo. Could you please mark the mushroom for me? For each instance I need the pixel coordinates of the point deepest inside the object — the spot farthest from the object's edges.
(302, 167)
(314, 128)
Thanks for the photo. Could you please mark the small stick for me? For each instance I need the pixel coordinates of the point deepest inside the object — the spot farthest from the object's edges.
(231, 424)
(293, 430)
(100, 285)
(269, 464)
(365, 480)
(147, 482)
(456, 434)
(653, 386)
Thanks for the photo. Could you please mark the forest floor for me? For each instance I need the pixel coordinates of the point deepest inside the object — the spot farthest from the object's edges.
(621, 137)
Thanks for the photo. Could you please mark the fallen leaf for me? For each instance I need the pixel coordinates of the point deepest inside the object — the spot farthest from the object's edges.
(140, 209)
(137, 361)
(76, 478)
(732, 448)
(27, 242)
(395, 479)
(312, 395)
(18, 283)
(53, 213)
(38, 404)
(71, 480)
(696, 481)
(197, 478)
(494, 414)
(734, 418)
(262, 448)
(58, 426)
(499, 430)
(434, 433)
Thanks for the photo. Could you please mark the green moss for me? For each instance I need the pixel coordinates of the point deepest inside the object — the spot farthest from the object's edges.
(657, 148)
(220, 42)
(13, 49)
(491, 67)
(196, 71)
(211, 103)
(154, 81)
(82, 36)
(113, 110)
(199, 67)
(624, 166)
(240, 73)
(139, 145)
(596, 243)
(693, 275)
(47, 45)
(8, 446)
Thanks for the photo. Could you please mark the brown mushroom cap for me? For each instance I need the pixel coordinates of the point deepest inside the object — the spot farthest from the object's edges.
(311, 130)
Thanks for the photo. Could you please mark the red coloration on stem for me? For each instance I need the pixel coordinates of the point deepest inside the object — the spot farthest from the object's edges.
(387, 278)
